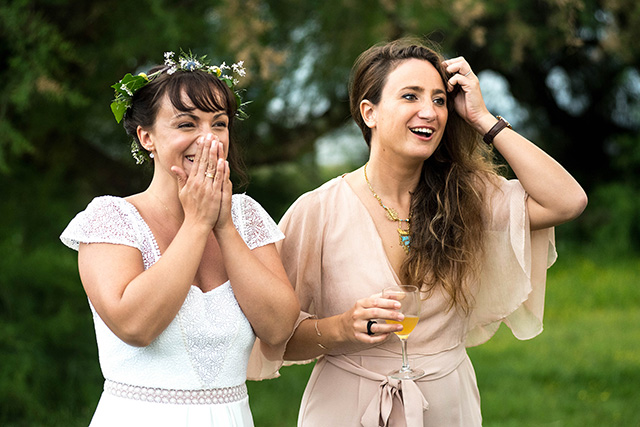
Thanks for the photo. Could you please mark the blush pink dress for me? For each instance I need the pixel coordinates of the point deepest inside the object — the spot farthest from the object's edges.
(334, 256)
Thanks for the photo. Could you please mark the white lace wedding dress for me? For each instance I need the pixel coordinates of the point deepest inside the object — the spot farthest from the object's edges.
(194, 372)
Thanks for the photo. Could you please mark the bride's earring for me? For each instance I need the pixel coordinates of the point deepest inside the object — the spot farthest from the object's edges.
(151, 155)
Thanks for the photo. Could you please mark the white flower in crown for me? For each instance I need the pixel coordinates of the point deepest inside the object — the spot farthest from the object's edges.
(126, 89)
(238, 68)
(190, 63)
(168, 59)
(129, 85)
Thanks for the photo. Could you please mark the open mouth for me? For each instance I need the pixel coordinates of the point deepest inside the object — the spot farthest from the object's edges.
(190, 158)
(423, 132)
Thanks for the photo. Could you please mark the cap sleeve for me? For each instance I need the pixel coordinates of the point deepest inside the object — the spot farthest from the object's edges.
(513, 277)
(253, 223)
(106, 219)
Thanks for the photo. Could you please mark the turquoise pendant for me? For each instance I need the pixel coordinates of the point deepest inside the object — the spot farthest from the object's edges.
(405, 239)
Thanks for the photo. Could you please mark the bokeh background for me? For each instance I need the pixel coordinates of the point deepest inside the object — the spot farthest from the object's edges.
(564, 72)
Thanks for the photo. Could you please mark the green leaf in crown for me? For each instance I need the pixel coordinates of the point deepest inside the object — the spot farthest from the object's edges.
(130, 84)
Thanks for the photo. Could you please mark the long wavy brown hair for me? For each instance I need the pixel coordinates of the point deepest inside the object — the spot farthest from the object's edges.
(448, 204)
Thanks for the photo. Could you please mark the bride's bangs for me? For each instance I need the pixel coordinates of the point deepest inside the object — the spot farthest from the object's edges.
(204, 92)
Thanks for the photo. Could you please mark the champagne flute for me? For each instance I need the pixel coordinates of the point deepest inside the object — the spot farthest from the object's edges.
(409, 297)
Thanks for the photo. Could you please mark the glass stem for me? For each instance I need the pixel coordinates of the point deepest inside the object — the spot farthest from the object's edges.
(405, 357)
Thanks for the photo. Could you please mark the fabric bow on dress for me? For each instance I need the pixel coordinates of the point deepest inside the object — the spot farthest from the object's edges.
(391, 392)
(406, 392)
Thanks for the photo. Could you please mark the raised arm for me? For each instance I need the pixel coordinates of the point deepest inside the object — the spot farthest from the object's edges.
(554, 195)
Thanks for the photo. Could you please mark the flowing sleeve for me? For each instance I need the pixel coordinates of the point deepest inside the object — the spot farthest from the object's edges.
(301, 253)
(513, 277)
(105, 220)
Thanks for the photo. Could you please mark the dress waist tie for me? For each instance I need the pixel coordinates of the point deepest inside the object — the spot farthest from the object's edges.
(403, 392)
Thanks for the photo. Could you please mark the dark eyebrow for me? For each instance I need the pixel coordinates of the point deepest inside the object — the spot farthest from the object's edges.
(420, 89)
(221, 113)
(185, 113)
(412, 88)
(194, 117)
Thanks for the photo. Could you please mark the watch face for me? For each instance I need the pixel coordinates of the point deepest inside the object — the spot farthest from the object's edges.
(505, 120)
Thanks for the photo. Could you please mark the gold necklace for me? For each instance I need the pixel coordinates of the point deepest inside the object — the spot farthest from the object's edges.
(392, 215)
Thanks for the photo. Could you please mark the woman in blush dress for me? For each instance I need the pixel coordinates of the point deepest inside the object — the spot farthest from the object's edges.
(428, 209)
(184, 276)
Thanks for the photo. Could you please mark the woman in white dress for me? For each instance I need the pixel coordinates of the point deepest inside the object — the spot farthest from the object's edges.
(183, 276)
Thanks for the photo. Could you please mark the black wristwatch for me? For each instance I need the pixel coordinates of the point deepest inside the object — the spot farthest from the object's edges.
(502, 123)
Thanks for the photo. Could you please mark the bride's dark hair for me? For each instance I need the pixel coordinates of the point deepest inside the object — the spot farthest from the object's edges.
(204, 91)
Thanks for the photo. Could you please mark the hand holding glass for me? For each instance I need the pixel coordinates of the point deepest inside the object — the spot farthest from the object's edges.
(409, 297)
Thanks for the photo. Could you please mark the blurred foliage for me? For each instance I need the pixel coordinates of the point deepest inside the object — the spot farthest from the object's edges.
(49, 372)
(572, 66)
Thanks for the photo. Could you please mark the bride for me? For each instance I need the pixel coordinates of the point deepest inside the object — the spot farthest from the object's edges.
(182, 277)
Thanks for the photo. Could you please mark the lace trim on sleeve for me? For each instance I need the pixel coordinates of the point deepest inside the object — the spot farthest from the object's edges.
(106, 219)
(253, 223)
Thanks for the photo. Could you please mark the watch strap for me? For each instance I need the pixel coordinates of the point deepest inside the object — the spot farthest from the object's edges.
(489, 136)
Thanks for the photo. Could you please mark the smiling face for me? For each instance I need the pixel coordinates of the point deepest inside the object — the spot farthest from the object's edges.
(410, 118)
(173, 136)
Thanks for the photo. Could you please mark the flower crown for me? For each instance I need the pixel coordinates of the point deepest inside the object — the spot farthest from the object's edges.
(129, 84)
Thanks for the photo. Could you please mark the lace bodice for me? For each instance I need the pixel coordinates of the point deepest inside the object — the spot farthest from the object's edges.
(207, 345)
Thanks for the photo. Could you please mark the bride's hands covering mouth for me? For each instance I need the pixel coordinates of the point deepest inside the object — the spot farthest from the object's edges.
(200, 191)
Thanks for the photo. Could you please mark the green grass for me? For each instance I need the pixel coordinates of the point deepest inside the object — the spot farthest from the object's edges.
(275, 403)
(583, 370)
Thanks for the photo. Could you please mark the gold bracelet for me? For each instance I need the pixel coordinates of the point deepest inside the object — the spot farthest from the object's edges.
(319, 334)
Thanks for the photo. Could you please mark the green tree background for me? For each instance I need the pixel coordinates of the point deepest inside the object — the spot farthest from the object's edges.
(569, 68)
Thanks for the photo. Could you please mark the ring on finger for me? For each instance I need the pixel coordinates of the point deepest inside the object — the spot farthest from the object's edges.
(468, 73)
(369, 323)
(209, 175)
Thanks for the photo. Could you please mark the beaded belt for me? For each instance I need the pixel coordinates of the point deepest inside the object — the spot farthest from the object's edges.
(177, 397)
